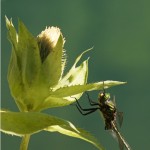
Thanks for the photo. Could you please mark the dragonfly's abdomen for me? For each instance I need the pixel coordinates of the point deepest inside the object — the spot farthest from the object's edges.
(109, 115)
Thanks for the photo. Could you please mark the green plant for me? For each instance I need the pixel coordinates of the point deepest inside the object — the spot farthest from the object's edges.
(37, 82)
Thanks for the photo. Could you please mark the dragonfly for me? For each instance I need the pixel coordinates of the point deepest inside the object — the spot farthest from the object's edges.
(110, 114)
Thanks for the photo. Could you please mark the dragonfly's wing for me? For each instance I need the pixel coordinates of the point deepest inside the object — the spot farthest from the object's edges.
(120, 118)
(121, 144)
(114, 101)
(119, 114)
(117, 138)
(121, 140)
(102, 116)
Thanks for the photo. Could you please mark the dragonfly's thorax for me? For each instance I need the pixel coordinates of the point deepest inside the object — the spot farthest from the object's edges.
(108, 109)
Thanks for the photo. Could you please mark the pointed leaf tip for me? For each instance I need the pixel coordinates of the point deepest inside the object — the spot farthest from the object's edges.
(79, 57)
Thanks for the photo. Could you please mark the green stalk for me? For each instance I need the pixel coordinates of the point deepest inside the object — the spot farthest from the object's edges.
(25, 142)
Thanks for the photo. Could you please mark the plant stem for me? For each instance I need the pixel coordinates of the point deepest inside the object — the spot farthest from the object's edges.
(25, 142)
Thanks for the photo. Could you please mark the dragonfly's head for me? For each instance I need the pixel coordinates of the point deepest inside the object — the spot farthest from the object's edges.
(103, 97)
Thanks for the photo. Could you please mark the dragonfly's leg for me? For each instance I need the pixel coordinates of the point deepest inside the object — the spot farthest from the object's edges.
(89, 110)
(85, 109)
(92, 103)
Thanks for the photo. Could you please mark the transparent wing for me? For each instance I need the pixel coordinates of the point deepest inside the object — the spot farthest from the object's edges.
(122, 142)
(119, 114)
(120, 118)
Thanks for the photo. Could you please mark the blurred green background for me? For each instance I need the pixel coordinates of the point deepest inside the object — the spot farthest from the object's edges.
(120, 33)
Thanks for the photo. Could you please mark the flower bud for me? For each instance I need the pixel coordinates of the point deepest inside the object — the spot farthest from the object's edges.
(35, 64)
(35, 73)
(47, 41)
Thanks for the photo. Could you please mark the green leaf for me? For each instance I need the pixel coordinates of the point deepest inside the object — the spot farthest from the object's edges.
(21, 123)
(24, 68)
(29, 56)
(76, 75)
(14, 73)
(66, 95)
(12, 34)
(72, 90)
(70, 130)
(51, 102)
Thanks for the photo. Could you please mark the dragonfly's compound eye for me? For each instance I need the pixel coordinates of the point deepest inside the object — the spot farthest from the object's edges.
(102, 94)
